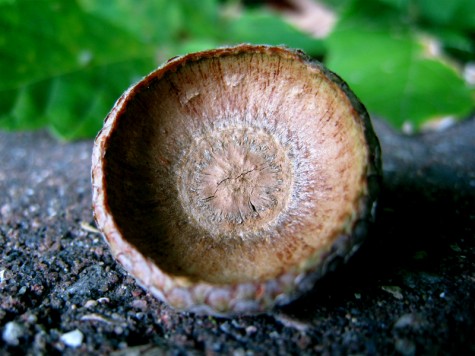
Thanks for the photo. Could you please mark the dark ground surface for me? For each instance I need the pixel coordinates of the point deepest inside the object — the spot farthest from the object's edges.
(409, 290)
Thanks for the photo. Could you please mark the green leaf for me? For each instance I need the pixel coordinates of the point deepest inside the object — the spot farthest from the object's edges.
(456, 14)
(138, 18)
(159, 21)
(373, 14)
(452, 22)
(395, 78)
(63, 68)
(258, 26)
(64, 63)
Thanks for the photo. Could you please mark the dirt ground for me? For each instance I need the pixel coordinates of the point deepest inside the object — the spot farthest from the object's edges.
(409, 290)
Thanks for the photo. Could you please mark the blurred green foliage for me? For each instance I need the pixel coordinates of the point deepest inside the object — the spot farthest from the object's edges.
(64, 63)
(385, 50)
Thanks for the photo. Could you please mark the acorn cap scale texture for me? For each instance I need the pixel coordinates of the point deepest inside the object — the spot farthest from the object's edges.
(227, 181)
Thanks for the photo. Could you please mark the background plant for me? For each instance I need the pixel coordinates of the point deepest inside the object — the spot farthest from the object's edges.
(64, 63)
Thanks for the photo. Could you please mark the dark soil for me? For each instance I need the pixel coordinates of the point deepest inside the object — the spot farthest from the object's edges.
(409, 290)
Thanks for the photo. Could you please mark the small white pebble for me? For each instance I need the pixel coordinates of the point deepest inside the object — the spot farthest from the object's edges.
(469, 73)
(2, 276)
(86, 227)
(251, 329)
(73, 338)
(118, 330)
(395, 291)
(12, 332)
(139, 304)
(291, 322)
(90, 303)
(407, 128)
(31, 318)
(5, 210)
(239, 352)
(95, 317)
(405, 320)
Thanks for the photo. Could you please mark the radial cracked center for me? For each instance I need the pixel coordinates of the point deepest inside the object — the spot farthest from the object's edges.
(235, 181)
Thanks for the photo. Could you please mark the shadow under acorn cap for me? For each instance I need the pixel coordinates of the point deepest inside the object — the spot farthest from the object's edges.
(227, 181)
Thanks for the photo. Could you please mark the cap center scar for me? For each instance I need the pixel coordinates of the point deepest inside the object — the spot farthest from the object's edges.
(235, 180)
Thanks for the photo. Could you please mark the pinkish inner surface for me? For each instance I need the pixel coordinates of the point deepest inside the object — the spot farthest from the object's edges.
(235, 169)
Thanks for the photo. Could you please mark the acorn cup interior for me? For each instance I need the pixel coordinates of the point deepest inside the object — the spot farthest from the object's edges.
(235, 166)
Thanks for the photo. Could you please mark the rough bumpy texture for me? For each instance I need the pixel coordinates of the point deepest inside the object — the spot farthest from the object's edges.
(226, 181)
(409, 290)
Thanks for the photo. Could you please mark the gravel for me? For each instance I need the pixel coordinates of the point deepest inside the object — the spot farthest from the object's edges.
(409, 290)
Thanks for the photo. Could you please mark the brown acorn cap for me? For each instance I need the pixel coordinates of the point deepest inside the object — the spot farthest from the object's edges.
(226, 181)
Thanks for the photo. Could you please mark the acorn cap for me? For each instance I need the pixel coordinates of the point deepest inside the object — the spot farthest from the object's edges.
(227, 181)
